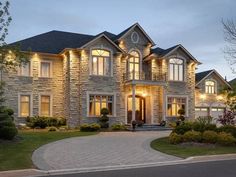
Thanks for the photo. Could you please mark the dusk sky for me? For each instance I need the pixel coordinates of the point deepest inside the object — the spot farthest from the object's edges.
(194, 24)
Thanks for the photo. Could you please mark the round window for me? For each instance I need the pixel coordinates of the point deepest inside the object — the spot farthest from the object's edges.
(134, 37)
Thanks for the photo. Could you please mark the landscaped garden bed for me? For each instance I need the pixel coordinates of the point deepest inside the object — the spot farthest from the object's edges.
(198, 138)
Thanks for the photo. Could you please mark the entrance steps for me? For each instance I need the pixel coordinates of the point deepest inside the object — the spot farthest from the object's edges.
(149, 127)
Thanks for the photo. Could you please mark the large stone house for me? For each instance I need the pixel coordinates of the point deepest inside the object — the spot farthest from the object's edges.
(74, 75)
(209, 100)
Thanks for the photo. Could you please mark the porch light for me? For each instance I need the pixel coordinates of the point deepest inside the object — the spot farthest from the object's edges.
(203, 96)
(219, 97)
(94, 59)
(144, 94)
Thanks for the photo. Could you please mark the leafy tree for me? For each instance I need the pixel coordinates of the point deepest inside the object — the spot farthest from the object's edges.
(229, 27)
(10, 55)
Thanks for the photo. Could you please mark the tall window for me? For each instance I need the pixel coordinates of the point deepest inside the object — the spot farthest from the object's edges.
(174, 105)
(134, 65)
(24, 69)
(210, 87)
(176, 69)
(101, 62)
(45, 70)
(45, 105)
(24, 105)
(97, 102)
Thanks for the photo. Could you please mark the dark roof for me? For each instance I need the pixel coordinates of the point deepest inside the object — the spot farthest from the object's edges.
(161, 52)
(199, 76)
(123, 32)
(54, 42)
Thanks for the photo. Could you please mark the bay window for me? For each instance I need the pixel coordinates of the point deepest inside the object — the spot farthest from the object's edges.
(97, 102)
(174, 104)
(101, 62)
(176, 69)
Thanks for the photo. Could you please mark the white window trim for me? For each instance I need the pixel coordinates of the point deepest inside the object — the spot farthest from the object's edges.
(184, 68)
(215, 88)
(51, 68)
(91, 60)
(30, 70)
(113, 94)
(31, 103)
(51, 103)
(176, 96)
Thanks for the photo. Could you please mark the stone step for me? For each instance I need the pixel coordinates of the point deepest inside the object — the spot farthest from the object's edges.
(149, 128)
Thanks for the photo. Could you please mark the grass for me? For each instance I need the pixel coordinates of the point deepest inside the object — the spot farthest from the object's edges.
(17, 154)
(163, 145)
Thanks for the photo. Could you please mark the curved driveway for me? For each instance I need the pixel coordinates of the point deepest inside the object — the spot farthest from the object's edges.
(102, 150)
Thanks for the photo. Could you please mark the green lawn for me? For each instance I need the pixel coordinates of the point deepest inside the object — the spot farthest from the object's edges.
(164, 146)
(17, 155)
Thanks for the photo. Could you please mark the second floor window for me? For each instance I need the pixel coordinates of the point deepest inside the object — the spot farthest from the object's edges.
(101, 62)
(176, 69)
(24, 69)
(210, 87)
(45, 70)
(134, 65)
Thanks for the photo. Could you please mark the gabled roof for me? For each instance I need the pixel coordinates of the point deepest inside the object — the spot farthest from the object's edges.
(232, 82)
(54, 42)
(159, 52)
(201, 76)
(126, 31)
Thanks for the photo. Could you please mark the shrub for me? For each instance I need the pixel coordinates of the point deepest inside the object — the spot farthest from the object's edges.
(7, 127)
(90, 127)
(104, 118)
(225, 139)
(227, 118)
(192, 136)
(118, 126)
(140, 123)
(181, 112)
(209, 136)
(52, 129)
(228, 129)
(174, 138)
(183, 128)
(9, 111)
(43, 122)
(211, 127)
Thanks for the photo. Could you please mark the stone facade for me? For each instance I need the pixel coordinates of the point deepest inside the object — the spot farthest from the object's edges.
(72, 82)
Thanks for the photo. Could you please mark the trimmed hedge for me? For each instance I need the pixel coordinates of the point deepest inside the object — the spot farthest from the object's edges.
(225, 139)
(90, 127)
(175, 138)
(228, 129)
(192, 136)
(118, 126)
(209, 137)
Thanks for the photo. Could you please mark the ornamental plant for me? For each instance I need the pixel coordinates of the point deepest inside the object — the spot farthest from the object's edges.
(227, 118)
(103, 120)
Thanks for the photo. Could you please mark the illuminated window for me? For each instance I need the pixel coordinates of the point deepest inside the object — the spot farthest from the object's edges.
(45, 70)
(24, 69)
(210, 87)
(134, 65)
(45, 105)
(176, 69)
(97, 102)
(24, 105)
(174, 105)
(101, 62)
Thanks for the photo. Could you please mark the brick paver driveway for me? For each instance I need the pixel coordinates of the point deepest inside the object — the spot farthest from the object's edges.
(102, 150)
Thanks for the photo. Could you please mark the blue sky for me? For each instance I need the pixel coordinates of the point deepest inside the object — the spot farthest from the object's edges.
(194, 24)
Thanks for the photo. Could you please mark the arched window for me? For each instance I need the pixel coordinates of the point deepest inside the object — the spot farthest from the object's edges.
(134, 65)
(210, 87)
(176, 69)
(101, 62)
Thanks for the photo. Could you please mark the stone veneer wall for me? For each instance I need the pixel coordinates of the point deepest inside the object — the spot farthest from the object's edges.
(36, 85)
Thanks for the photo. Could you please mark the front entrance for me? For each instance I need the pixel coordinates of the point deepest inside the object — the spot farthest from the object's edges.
(139, 109)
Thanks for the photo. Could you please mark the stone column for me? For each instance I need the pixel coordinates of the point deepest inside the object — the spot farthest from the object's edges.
(133, 102)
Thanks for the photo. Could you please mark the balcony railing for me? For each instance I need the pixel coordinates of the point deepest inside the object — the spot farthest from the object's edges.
(141, 76)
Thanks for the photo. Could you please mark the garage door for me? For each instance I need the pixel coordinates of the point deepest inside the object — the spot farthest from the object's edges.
(201, 112)
(216, 112)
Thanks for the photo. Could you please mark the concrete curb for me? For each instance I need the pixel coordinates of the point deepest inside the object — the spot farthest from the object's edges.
(195, 159)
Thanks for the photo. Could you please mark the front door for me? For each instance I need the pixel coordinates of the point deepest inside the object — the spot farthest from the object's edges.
(139, 109)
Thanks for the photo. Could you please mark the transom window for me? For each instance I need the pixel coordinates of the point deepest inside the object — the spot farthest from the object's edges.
(24, 69)
(45, 105)
(176, 69)
(210, 87)
(134, 65)
(101, 62)
(24, 105)
(174, 105)
(97, 102)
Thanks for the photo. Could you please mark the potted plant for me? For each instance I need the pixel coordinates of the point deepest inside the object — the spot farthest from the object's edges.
(134, 123)
(104, 118)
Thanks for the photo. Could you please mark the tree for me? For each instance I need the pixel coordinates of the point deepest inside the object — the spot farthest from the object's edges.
(229, 27)
(10, 55)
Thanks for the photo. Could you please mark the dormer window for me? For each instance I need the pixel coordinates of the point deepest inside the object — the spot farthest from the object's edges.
(101, 62)
(210, 87)
(176, 69)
